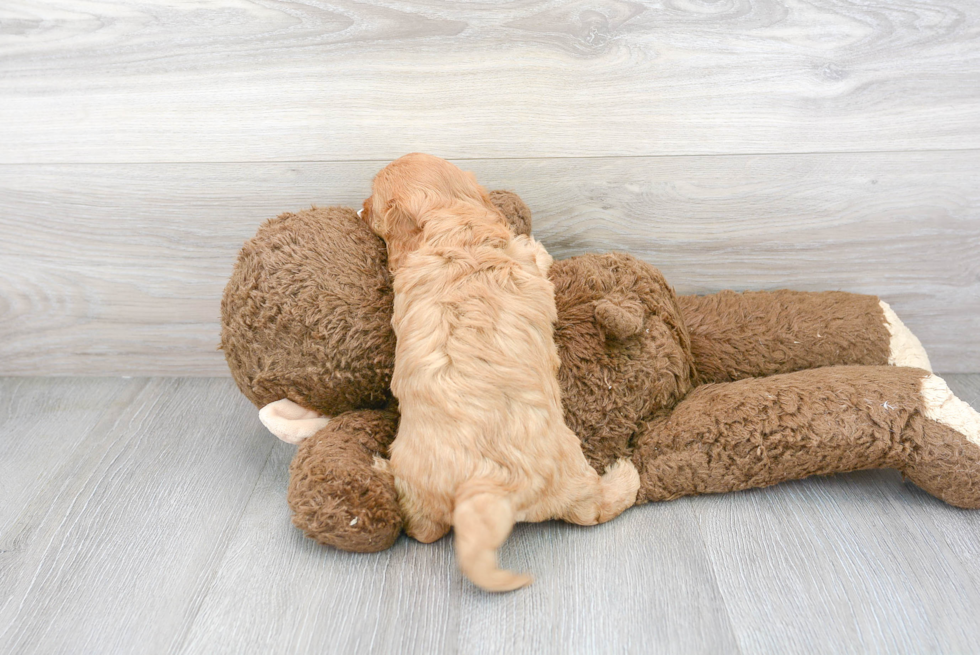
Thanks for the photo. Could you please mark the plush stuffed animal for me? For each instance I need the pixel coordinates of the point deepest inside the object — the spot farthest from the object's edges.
(706, 394)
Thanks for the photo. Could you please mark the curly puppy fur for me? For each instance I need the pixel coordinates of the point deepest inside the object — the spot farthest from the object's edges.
(482, 441)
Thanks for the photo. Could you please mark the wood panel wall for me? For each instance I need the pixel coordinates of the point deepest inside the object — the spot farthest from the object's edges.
(733, 143)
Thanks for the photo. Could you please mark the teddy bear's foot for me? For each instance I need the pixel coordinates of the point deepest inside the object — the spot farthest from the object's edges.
(338, 494)
(905, 349)
(947, 461)
(291, 422)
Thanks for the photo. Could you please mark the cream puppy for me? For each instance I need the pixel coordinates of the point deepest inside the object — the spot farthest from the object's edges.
(482, 442)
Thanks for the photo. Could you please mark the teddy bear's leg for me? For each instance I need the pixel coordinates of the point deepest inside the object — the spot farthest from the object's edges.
(340, 491)
(761, 431)
(753, 334)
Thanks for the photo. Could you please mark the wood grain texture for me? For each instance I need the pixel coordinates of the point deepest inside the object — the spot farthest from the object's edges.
(881, 588)
(307, 598)
(960, 529)
(118, 269)
(167, 531)
(262, 80)
(49, 417)
(135, 525)
(412, 598)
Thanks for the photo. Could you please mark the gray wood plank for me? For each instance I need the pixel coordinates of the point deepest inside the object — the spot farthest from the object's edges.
(960, 529)
(135, 527)
(166, 530)
(243, 80)
(278, 592)
(639, 584)
(848, 564)
(615, 588)
(858, 563)
(42, 422)
(118, 269)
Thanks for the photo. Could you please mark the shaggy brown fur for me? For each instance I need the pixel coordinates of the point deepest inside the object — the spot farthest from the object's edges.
(306, 314)
(624, 349)
(336, 493)
(291, 328)
(514, 210)
(758, 432)
(757, 333)
(624, 389)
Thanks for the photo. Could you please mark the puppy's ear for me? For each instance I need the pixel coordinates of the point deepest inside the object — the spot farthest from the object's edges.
(365, 213)
(414, 207)
(396, 218)
(400, 231)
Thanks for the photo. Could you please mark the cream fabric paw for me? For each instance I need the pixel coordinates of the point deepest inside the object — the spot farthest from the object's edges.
(944, 407)
(905, 347)
(291, 422)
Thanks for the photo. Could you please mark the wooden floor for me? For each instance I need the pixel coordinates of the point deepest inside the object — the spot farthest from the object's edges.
(148, 515)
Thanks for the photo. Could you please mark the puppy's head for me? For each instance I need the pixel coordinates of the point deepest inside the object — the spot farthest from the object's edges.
(407, 191)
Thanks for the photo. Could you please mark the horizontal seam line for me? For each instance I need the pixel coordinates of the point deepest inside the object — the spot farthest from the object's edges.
(546, 158)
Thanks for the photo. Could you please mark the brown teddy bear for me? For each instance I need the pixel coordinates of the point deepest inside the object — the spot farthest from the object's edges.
(705, 394)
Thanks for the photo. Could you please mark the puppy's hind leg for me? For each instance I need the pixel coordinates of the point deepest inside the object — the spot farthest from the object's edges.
(620, 484)
(482, 520)
(425, 518)
(600, 499)
(425, 529)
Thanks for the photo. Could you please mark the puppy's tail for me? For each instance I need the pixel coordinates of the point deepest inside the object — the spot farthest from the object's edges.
(482, 520)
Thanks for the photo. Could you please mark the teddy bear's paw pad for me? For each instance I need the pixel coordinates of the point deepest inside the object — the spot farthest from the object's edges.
(942, 406)
(905, 349)
(291, 422)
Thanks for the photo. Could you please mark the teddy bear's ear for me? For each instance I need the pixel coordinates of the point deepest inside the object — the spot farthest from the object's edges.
(514, 210)
(620, 317)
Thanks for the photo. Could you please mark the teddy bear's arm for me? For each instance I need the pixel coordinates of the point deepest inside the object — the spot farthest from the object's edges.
(752, 334)
(761, 431)
(340, 489)
(290, 421)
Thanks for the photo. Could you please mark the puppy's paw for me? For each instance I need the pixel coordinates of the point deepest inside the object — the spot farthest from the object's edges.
(620, 484)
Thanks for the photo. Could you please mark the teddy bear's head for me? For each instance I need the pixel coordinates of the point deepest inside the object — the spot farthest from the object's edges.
(306, 314)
